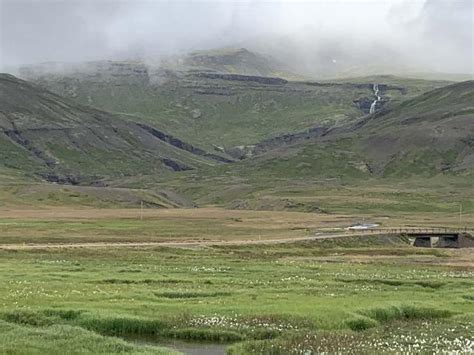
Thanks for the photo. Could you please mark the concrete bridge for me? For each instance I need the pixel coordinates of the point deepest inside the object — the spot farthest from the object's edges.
(427, 237)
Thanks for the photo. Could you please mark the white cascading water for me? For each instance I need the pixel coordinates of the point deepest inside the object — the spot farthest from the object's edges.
(377, 99)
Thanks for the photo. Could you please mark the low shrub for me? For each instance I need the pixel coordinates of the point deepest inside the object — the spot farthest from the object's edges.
(427, 284)
(430, 284)
(123, 326)
(262, 333)
(405, 312)
(191, 294)
(63, 314)
(26, 318)
(360, 324)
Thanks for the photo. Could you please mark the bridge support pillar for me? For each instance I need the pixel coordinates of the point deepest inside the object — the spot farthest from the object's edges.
(423, 242)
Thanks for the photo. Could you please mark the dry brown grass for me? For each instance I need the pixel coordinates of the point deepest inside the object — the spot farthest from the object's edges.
(264, 219)
(183, 226)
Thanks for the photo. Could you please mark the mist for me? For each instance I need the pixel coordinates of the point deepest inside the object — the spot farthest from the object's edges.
(311, 36)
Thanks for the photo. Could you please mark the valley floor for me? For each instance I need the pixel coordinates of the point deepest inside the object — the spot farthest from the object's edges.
(358, 294)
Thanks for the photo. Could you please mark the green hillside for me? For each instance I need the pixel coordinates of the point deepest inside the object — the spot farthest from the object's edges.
(417, 155)
(286, 135)
(427, 135)
(221, 98)
(46, 136)
(218, 109)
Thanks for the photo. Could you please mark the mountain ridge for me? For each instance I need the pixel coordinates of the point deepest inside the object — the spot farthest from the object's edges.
(218, 110)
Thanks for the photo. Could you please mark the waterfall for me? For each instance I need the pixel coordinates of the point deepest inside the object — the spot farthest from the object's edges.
(375, 87)
(372, 106)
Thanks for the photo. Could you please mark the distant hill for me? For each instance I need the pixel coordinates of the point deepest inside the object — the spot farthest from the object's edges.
(238, 61)
(56, 139)
(222, 60)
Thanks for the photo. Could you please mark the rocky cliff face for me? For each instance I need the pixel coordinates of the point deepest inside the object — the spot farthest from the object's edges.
(117, 72)
(233, 61)
(239, 61)
(248, 78)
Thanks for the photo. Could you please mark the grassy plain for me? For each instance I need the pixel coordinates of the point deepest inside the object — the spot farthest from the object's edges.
(368, 293)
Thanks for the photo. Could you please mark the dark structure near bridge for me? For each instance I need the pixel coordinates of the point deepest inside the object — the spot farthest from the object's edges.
(445, 239)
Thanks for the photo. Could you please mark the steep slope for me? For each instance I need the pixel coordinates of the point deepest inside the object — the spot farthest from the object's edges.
(424, 136)
(45, 135)
(431, 133)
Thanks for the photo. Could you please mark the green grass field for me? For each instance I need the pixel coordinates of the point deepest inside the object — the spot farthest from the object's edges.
(367, 293)
(190, 211)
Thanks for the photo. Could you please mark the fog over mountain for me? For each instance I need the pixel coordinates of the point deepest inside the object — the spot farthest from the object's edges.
(312, 36)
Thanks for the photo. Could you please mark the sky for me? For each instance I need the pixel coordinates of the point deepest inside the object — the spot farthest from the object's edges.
(425, 35)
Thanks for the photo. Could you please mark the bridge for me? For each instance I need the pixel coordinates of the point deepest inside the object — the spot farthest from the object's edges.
(424, 237)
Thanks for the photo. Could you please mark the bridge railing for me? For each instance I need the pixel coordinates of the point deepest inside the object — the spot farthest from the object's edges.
(412, 230)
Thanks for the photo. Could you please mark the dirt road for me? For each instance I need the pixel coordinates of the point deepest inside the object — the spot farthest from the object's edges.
(183, 244)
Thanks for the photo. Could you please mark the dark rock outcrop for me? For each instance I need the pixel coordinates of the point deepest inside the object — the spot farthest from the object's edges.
(248, 78)
(242, 152)
(175, 165)
(182, 145)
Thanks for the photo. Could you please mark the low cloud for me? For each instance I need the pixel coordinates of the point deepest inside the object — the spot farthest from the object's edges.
(425, 35)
